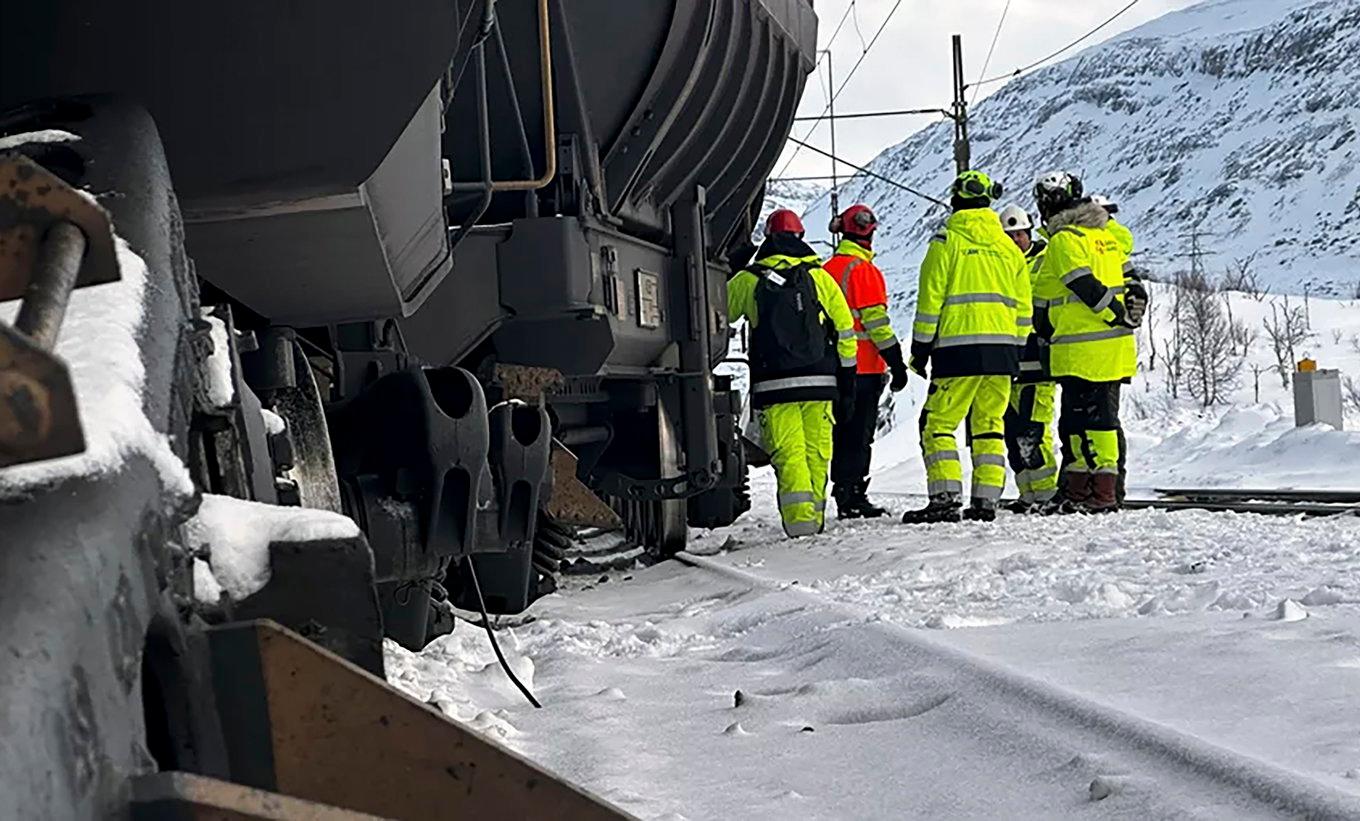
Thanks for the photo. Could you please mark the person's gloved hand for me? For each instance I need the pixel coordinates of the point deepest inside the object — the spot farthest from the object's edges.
(920, 355)
(1121, 317)
(845, 388)
(1135, 302)
(893, 356)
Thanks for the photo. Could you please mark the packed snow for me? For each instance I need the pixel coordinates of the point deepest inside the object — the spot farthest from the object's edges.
(46, 135)
(99, 343)
(221, 387)
(273, 423)
(232, 536)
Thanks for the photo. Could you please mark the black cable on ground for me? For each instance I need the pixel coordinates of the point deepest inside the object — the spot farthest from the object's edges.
(490, 634)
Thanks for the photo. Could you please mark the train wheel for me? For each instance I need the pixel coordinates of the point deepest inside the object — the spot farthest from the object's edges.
(311, 467)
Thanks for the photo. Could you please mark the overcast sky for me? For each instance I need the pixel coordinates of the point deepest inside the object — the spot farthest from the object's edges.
(909, 67)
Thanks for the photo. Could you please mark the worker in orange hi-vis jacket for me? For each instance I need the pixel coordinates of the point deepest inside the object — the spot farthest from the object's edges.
(879, 353)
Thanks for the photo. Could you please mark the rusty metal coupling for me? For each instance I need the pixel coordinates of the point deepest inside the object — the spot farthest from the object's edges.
(53, 239)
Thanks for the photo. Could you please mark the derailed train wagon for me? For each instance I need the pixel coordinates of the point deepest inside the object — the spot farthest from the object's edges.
(436, 250)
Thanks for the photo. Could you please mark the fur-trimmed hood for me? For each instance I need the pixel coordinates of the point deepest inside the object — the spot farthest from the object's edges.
(1082, 215)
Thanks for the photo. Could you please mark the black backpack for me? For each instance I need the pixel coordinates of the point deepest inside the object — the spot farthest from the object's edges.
(789, 333)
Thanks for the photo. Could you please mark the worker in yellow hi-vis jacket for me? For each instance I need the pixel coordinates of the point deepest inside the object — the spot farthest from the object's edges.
(973, 314)
(1124, 237)
(802, 355)
(1091, 314)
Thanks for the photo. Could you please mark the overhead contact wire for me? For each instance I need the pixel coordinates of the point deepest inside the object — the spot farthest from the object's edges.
(1088, 35)
(837, 93)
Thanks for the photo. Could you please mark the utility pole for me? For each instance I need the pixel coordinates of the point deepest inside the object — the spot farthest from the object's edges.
(962, 153)
(831, 105)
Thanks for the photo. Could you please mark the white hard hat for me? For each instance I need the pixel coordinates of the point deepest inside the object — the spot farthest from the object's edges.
(1105, 202)
(1015, 218)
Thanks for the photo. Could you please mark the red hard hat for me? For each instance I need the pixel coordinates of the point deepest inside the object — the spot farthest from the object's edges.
(857, 221)
(784, 221)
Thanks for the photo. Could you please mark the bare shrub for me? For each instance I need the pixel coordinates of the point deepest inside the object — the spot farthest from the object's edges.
(1241, 276)
(1350, 393)
(1287, 329)
(1212, 364)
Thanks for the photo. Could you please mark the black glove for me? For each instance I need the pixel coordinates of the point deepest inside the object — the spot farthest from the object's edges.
(845, 387)
(893, 356)
(1135, 302)
(1121, 317)
(920, 355)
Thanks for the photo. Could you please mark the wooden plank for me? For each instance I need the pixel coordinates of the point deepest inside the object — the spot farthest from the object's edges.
(176, 796)
(304, 722)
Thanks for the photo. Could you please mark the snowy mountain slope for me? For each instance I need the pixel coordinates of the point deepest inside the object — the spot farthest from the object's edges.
(1241, 116)
(795, 195)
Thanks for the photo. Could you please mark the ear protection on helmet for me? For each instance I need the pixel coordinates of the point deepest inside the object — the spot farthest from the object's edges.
(862, 219)
(975, 184)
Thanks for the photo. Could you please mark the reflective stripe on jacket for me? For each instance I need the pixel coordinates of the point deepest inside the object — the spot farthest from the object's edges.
(867, 295)
(973, 302)
(1081, 282)
(812, 384)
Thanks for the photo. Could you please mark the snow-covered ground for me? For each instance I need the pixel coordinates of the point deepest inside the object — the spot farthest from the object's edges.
(1170, 658)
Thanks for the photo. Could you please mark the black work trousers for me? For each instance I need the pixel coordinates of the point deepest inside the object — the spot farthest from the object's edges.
(853, 440)
(1088, 410)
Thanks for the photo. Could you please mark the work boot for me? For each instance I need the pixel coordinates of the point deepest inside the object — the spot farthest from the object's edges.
(1104, 496)
(1021, 506)
(943, 507)
(852, 502)
(1073, 491)
(981, 510)
(1076, 487)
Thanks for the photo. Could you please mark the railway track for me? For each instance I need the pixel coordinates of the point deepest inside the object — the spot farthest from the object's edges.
(1154, 761)
(1290, 502)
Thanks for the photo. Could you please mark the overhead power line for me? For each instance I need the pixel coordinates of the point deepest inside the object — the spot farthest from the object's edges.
(990, 50)
(899, 112)
(1088, 35)
(861, 169)
(832, 38)
(854, 11)
(837, 92)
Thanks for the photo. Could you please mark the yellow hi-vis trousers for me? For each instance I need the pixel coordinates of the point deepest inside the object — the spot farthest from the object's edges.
(1029, 440)
(982, 400)
(797, 436)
